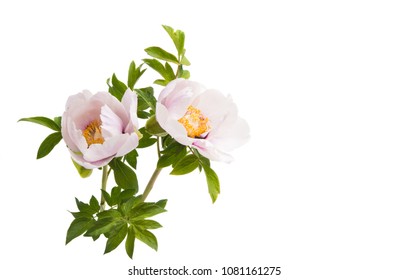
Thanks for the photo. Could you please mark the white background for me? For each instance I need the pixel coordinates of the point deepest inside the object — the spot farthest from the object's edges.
(321, 188)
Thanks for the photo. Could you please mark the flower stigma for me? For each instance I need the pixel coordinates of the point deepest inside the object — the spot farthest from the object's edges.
(194, 122)
(93, 133)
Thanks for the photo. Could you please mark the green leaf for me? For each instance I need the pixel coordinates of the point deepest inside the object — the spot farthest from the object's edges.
(161, 82)
(152, 127)
(115, 230)
(202, 163)
(147, 237)
(141, 104)
(147, 224)
(167, 141)
(170, 71)
(162, 203)
(143, 115)
(94, 237)
(147, 142)
(118, 84)
(114, 241)
(86, 208)
(115, 195)
(130, 241)
(83, 207)
(180, 44)
(77, 228)
(102, 226)
(185, 165)
(148, 90)
(131, 203)
(212, 182)
(178, 157)
(107, 197)
(159, 53)
(203, 159)
(171, 158)
(94, 204)
(114, 91)
(165, 160)
(118, 88)
(173, 147)
(58, 120)
(125, 177)
(134, 74)
(158, 67)
(111, 213)
(170, 31)
(131, 158)
(42, 121)
(147, 94)
(48, 144)
(185, 61)
(171, 154)
(178, 38)
(126, 194)
(82, 171)
(145, 210)
(81, 215)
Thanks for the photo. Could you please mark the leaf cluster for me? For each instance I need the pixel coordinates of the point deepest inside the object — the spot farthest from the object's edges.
(129, 219)
(184, 161)
(161, 59)
(145, 96)
(51, 140)
(127, 215)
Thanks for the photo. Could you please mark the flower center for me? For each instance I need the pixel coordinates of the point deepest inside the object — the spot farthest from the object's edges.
(93, 133)
(194, 122)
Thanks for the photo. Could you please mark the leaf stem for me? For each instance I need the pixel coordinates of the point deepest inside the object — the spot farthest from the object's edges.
(151, 183)
(179, 71)
(105, 175)
(158, 147)
(155, 174)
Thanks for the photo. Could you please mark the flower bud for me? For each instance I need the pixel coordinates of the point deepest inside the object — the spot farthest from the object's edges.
(82, 171)
(154, 128)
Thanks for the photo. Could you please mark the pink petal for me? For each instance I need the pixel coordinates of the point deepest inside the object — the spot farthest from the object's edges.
(109, 148)
(104, 98)
(130, 144)
(76, 136)
(77, 100)
(215, 106)
(230, 136)
(129, 101)
(89, 165)
(65, 134)
(178, 95)
(207, 149)
(172, 126)
(162, 115)
(167, 90)
(111, 124)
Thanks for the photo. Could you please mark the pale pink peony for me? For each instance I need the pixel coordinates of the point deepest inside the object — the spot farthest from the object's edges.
(202, 118)
(97, 128)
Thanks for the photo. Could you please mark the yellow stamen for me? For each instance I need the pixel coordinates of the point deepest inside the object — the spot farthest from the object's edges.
(194, 122)
(93, 133)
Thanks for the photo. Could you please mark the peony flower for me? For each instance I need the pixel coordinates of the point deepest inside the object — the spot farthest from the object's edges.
(97, 128)
(202, 118)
